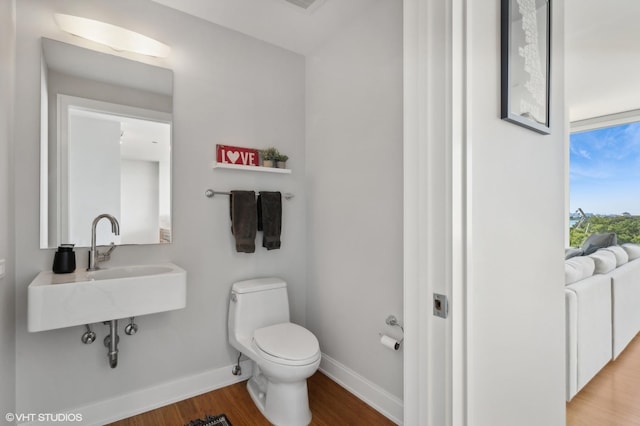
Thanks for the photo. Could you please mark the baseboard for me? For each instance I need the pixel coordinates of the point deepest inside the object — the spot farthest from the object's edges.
(144, 400)
(131, 404)
(387, 404)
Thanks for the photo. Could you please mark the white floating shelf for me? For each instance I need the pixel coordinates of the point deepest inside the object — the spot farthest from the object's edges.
(217, 165)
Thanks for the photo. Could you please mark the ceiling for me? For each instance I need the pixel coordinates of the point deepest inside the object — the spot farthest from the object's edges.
(602, 57)
(602, 41)
(277, 21)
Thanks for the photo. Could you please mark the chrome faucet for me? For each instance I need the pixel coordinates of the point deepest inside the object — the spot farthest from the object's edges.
(94, 255)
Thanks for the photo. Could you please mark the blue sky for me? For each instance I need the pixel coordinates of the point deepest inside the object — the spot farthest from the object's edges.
(605, 170)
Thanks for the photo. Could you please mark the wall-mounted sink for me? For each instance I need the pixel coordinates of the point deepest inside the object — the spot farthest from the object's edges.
(82, 297)
(129, 272)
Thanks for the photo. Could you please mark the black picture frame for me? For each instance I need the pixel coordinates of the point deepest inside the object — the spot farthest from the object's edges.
(526, 63)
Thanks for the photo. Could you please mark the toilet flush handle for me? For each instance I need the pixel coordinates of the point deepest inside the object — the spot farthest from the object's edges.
(234, 298)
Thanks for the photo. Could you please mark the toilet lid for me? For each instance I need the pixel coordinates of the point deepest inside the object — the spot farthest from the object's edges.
(287, 341)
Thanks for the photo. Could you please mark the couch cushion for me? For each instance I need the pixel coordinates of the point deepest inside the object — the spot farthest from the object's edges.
(578, 268)
(621, 255)
(633, 250)
(596, 241)
(605, 261)
(572, 252)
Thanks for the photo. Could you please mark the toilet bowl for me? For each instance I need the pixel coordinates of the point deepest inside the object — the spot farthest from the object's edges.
(284, 354)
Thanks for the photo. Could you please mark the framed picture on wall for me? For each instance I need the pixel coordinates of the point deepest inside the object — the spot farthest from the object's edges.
(525, 63)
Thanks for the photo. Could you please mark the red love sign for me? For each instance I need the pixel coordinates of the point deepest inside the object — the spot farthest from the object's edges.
(228, 154)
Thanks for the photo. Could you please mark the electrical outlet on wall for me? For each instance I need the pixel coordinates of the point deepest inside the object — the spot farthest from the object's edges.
(2, 268)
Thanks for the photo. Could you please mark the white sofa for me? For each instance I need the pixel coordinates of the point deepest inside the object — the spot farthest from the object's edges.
(602, 297)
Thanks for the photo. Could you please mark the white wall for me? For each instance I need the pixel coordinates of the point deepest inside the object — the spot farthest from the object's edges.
(354, 185)
(7, 311)
(229, 89)
(515, 240)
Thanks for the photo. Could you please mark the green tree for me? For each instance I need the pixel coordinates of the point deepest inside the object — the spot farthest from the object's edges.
(627, 229)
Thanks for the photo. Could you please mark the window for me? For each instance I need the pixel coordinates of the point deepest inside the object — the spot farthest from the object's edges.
(604, 182)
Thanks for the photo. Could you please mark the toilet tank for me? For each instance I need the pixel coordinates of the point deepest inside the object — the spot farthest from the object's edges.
(255, 304)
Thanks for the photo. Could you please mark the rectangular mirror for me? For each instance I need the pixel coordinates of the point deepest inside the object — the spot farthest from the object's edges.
(105, 147)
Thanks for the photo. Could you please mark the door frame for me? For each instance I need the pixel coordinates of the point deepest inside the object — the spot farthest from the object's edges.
(435, 206)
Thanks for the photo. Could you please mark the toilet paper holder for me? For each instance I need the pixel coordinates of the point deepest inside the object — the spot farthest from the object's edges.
(393, 321)
(388, 341)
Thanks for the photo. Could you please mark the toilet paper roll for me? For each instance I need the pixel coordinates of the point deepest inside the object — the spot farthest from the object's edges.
(389, 342)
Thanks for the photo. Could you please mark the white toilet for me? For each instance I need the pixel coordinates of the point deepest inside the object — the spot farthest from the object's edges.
(284, 354)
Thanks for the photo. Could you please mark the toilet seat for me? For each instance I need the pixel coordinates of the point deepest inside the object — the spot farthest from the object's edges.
(286, 343)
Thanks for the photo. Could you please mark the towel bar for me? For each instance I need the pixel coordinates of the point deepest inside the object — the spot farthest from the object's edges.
(210, 193)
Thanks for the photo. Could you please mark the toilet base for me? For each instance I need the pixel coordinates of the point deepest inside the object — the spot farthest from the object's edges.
(283, 404)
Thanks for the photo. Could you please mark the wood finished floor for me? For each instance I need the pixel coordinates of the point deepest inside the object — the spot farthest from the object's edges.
(330, 405)
(612, 398)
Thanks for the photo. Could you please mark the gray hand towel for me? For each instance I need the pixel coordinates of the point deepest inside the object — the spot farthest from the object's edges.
(270, 218)
(242, 206)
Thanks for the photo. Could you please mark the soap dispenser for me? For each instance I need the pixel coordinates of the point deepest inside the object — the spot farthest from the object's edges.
(64, 261)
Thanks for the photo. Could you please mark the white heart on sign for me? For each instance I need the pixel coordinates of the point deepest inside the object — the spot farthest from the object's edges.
(233, 156)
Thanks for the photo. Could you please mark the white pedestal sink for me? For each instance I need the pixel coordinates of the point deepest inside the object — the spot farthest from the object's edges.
(82, 297)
